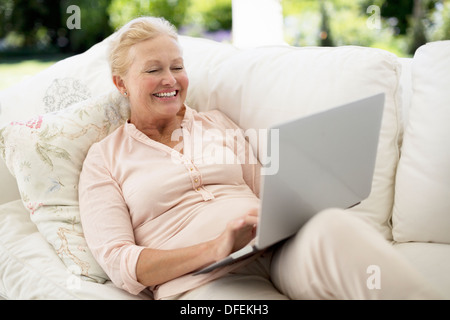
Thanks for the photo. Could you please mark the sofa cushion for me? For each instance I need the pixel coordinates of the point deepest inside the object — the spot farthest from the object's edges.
(31, 270)
(259, 87)
(431, 260)
(200, 56)
(422, 199)
(45, 154)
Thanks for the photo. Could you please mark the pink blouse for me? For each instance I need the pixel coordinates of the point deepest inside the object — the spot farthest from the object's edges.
(135, 192)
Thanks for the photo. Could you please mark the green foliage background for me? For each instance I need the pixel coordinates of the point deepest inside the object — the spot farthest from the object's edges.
(40, 25)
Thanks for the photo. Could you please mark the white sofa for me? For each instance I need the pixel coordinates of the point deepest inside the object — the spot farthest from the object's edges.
(50, 120)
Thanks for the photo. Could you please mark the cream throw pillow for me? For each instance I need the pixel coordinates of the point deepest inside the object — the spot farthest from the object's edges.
(422, 198)
(45, 154)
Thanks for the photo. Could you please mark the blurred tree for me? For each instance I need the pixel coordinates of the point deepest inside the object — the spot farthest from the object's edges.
(95, 25)
(402, 25)
(212, 15)
(440, 28)
(3, 17)
(36, 21)
(41, 25)
(418, 37)
(400, 10)
(408, 17)
(122, 11)
(45, 24)
(325, 30)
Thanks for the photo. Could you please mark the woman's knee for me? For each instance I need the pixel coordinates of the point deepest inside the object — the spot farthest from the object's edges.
(331, 230)
(330, 223)
(324, 226)
(325, 240)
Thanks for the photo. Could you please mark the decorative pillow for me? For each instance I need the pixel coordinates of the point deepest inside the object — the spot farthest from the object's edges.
(67, 82)
(45, 154)
(422, 202)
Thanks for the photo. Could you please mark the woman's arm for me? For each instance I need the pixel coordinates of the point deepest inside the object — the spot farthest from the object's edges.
(158, 266)
(107, 224)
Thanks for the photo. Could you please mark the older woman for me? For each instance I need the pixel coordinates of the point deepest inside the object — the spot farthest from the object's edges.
(155, 207)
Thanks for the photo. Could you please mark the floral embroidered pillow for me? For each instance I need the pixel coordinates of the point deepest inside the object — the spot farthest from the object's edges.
(46, 154)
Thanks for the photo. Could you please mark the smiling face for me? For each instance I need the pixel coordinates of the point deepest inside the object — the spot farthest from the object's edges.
(156, 82)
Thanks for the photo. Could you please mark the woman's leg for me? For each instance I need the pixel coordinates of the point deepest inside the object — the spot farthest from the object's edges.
(337, 255)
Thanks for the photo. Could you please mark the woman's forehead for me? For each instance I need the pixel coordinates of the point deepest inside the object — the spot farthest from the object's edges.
(156, 49)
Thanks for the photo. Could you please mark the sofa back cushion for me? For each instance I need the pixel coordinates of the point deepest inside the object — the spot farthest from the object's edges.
(422, 200)
(259, 87)
(201, 56)
(256, 88)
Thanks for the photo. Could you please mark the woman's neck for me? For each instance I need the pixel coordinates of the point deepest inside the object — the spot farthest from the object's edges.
(160, 130)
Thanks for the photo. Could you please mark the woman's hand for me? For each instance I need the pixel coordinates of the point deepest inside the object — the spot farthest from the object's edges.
(238, 233)
(158, 266)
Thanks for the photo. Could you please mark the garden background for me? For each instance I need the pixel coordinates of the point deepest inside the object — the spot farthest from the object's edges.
(36, 33)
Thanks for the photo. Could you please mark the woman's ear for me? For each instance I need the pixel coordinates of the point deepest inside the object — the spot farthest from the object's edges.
(120, 85)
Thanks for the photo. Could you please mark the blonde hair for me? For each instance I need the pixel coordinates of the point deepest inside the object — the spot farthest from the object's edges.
(135, 31)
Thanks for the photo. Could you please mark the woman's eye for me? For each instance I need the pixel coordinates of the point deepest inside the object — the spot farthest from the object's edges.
(178, 68)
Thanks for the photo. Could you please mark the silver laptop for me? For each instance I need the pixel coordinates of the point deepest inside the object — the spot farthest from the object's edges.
(325, 160)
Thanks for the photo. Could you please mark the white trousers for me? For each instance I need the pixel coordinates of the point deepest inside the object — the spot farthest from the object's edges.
(336, 255)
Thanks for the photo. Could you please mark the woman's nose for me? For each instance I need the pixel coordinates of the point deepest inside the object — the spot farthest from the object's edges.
(168, 79)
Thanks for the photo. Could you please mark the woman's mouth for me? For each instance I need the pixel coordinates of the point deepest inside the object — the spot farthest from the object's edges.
(169, 94)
